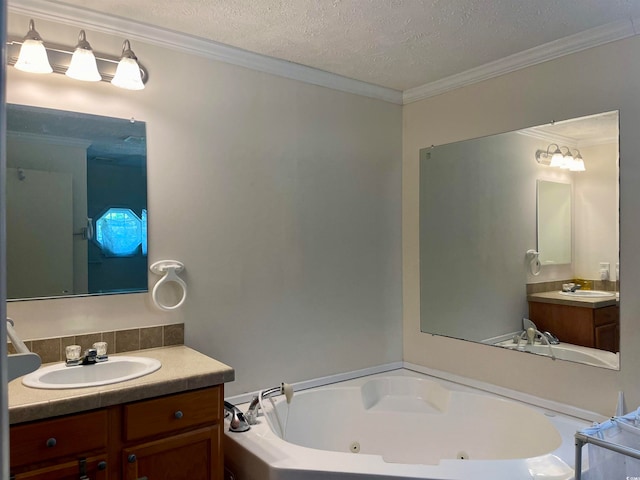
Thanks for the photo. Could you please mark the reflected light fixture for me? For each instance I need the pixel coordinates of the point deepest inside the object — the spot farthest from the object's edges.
(561, 157)
(30, 54)
(128, 75)
(33, 55)
(83, 62)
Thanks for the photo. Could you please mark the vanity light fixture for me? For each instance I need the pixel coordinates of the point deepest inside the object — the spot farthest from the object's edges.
(33, 55)
(80, 62)
(561, 157)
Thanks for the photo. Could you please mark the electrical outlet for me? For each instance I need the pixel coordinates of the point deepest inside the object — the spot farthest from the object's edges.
(605, 270)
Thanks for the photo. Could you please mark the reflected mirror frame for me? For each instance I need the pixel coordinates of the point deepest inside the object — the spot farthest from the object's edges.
(111, 142)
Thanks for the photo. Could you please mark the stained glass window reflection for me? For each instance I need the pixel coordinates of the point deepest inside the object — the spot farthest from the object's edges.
(120, 232)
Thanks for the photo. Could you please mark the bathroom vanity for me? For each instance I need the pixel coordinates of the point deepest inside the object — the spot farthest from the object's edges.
(167, 424)
(590, 322)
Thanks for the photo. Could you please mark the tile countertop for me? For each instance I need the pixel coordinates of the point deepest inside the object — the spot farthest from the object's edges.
(182, 369)
(586, 302)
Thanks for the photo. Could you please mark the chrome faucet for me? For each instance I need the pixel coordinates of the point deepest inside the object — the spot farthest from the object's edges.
(252, 412)
(238, 422)
(531, 334)
(90, 357)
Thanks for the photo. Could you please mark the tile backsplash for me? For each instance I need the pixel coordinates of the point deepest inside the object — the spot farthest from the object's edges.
(119, 341)
(606, 285)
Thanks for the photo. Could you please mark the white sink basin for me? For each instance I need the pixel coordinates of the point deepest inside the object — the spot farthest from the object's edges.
(115, 370)
(589, 293)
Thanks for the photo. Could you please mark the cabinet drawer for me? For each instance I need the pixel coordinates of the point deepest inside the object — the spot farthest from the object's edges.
(94, 467)
(172, 413)
(58, 438)
(606, 315)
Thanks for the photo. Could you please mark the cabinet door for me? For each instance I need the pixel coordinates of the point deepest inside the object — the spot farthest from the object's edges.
(607, 337)
(95, 468)
(195, 455)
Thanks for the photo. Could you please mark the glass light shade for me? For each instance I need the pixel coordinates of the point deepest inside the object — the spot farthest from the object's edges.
(128, 75)
(578, 165)
(33, 57)
(567, 161)
(83, 66)
(557, 159)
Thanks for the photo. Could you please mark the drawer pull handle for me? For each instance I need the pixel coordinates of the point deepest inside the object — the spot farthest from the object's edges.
(51, 442)
(131, 458)
(102, 466)
(178, 415)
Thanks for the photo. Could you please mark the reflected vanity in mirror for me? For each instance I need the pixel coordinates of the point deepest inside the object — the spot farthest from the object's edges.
(76, 204)
(485, 202)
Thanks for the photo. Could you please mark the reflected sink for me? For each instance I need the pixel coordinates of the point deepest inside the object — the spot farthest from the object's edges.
(589, 293)
(115, 370)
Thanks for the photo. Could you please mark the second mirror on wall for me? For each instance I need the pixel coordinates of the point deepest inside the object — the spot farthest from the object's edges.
(485, 202)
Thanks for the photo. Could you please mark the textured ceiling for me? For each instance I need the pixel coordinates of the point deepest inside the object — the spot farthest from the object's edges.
(399, 44)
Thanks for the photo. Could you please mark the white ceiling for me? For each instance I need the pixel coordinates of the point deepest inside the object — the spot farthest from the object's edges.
(398, 44)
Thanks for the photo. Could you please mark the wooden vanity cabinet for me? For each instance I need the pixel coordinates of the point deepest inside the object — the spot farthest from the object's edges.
(590, 327)
(175, 437)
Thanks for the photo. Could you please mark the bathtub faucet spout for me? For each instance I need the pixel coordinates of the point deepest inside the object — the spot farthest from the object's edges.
(252, 412)
(238, 422)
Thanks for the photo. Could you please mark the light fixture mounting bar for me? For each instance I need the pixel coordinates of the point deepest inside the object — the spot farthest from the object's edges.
(60, 58)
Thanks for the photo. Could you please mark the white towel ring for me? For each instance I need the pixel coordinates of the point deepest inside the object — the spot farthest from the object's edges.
(169, 269)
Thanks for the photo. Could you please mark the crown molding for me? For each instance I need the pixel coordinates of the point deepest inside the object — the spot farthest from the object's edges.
(91, 20)
(543, 53)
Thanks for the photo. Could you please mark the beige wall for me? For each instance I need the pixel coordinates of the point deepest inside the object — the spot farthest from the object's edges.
(596, 80)
(283, 200)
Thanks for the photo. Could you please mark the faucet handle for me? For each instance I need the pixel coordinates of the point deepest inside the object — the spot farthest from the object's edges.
(531, 334)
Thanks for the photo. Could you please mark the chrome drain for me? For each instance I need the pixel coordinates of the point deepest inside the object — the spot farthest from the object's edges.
(355, 447)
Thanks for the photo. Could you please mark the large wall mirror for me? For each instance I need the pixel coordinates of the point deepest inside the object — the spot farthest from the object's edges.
(76, 204)
(486, 202)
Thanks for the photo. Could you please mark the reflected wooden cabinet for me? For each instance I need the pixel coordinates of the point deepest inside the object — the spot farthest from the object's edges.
(177, 437)
(586, 326)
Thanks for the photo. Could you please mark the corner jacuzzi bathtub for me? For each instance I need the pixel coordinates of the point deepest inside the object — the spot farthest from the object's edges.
(401, 425)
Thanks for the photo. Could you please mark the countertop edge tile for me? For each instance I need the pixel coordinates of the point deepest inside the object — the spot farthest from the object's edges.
(28, 404)
(585, 302)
